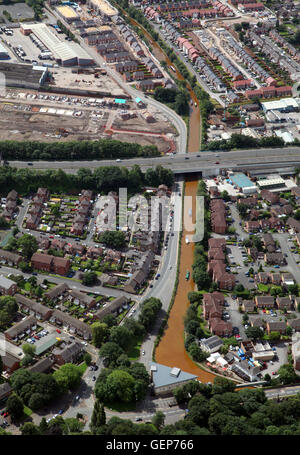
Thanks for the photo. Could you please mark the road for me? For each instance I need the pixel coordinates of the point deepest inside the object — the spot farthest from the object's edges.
(184, 59)
(190, 162)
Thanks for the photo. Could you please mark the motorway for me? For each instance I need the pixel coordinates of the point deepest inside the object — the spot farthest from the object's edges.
(189, 162)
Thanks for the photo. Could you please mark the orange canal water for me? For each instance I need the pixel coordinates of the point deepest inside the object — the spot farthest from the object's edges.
(171, 351)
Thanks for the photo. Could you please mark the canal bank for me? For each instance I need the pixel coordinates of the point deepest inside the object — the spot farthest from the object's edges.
(171, 350)
(195, 140)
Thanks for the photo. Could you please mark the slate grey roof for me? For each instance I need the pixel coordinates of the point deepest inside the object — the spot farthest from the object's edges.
(163, 376)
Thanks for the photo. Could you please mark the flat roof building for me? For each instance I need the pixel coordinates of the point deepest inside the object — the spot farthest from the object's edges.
(67, 13)
(4, 55)
(22, 75)
(103, 8)
(68, 54)
(241, 180)
(275, 182)
(165, 378)
(283, 105)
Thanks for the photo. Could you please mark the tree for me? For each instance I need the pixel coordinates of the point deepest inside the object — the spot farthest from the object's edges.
(29, 429)
(100, 333)
(89, 278)
(149, 310)
(222, 385)
(3, 223)
(122, 383)
(43, 426)
(87, 358)
(36, 401)
(287, 374)
(110, 320)
(113, 239)
(29, 349)
(293, 289)
(243, 209)
(55, 210)
(110, 352)
(15, 407)
(98, 417)
(68, 376)
(201, 278)
(27, 360)
(158, 419)
(254, 333)
(28, 245)
(73, 425)
(120, 335)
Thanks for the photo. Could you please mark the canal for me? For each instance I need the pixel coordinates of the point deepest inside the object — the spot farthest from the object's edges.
(171, 350)
(194, 133)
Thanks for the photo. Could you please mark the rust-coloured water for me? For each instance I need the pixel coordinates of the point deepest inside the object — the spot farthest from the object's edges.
(194, 119)
(171, 351)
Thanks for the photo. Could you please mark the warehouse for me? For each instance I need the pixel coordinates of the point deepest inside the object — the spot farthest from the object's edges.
(272, 182)
(67, 54)
(19, 75)
(67, 13)
(4, 55)
(243, 183)
(283, 105)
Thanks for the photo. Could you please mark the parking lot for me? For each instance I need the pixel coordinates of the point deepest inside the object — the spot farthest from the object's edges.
(18, 39)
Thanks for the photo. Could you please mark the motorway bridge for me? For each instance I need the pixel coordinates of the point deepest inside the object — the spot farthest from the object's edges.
(205, 163)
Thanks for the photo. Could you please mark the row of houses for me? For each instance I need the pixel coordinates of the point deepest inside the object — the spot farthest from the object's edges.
(10, 205)
(131, 40)
(227, 40)
(140, 274)
(250, 7)
(212, 311)
(277, 279)
(218, 216)
(268, 301)
(269, 92)
(227, 65)
(285, 44)
(216, 264)
(36, 208)
(50, 264)
(269, 48)
(82, 212)
(258, 225)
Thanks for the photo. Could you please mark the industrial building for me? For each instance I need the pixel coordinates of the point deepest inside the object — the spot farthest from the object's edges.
(285, 135)
(4, 55)
(283, 105)
(103, 8)
(67, 54)
(243, 183)
(271, 183)
(20, 75)
(165, 379)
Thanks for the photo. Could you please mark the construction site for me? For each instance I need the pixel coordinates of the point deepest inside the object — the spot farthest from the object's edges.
(35, 115)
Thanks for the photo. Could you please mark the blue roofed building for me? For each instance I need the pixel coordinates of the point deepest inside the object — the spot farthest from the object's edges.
(243, 183)
(166, 379)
